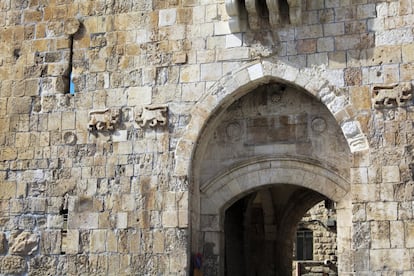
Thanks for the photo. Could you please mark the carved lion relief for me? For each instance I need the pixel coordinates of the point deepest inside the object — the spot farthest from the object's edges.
(104, 119)
(395, 95)
(152, 115)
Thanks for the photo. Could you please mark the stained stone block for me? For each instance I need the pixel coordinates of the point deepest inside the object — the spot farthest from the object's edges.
(51, 242)
(382, 211)
(12, 265)
(380, 234)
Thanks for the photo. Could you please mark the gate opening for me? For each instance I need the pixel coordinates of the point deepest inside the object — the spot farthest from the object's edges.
(270, 232)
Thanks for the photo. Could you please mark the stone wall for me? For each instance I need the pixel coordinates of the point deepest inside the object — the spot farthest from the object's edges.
(101, 181)
(322, 221)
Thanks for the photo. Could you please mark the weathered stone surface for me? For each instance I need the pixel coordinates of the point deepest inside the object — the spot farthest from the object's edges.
(43, 265)
(12, 265)
(3, 243)
(323, 88)
(23, 243)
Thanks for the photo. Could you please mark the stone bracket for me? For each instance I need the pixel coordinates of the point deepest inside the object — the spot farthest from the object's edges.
(254, 9)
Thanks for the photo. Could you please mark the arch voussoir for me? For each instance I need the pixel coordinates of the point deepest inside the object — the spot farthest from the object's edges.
(244, 178)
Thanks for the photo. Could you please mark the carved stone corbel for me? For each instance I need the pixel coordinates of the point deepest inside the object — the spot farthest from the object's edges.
(236, 14)
(274, 12)
(152, 115)
(295, 11)
(103, 120)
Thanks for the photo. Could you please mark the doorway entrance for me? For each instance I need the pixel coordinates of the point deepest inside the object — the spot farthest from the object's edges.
(260, 164)
(260, 230)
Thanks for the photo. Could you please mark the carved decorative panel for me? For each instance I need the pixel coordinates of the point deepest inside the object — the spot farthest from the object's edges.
(388, 96)
(103, 120)
(152, 115)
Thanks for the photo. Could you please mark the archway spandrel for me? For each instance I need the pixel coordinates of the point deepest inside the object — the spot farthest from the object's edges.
(236, 84)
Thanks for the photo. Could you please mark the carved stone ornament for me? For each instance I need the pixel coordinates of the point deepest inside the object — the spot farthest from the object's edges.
(318, 125)
(388, 96)
(70, 138)
(103, 120)
(152, 115)
(71, 26)
(236, 15)
(253, 9)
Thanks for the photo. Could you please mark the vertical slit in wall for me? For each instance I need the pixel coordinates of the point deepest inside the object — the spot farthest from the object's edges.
(71, 84)
(64, 231)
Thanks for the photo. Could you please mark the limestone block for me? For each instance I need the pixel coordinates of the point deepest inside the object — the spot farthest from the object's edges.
(3, 243)
(397, 238)
(234, 54)
(43, 265)
(134, 241)
(409, 234)
(167, 17)
(111, 241)
(183, 218)
(122, 220)
(190, 73)
(408, 53)
(7, 189)
(233, 40)
(359, 175)
(211, 71)
(23, 243)
(170, 219)
(393, 37)
(51, 242)
(382, 211)
(54, 221)
(158, 246)
(19, 105)
(72, 241)
(139, 96)
(390, 174)
(12, 265)
(380, 234)
(98, 241)
(221, 28)
(83, 220)
(255, 71)
(389, 259)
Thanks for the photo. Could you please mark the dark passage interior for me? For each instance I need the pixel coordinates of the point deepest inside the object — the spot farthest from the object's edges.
(260, 230)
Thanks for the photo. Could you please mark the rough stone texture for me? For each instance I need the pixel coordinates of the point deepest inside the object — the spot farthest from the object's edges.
(3, 244)
(122, 199)
(12, 265)
(23, 243)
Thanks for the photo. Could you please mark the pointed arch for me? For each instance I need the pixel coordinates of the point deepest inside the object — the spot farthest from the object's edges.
(238, 83)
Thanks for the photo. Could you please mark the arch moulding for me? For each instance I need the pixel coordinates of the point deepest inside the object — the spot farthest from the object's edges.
(238, 83)
(225, 189)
